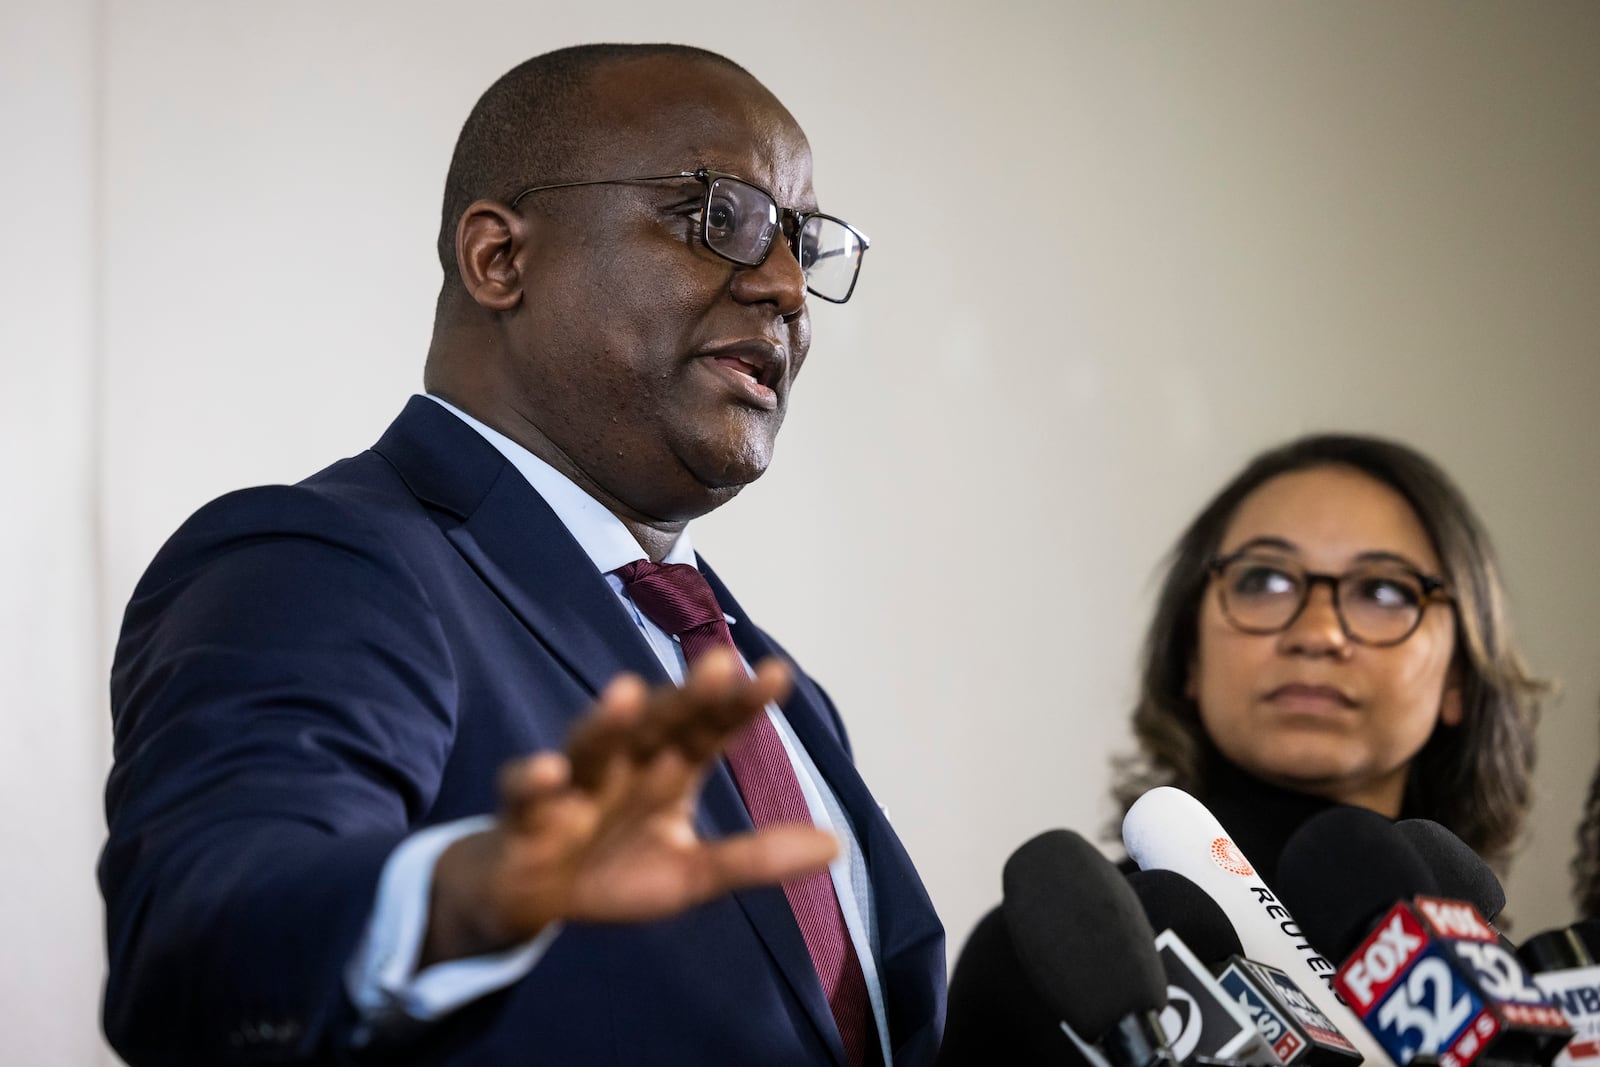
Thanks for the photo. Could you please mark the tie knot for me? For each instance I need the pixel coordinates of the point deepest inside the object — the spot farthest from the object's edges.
(674, 596)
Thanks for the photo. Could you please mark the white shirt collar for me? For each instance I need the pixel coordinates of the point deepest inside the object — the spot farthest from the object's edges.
(601, 535)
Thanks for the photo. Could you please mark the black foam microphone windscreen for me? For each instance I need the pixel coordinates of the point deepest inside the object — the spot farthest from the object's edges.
(1587, 930)
(1173, 902)
(1554, 950)
(994, 1014)
(1341, 870)
(1461, 873)
(1080, 933)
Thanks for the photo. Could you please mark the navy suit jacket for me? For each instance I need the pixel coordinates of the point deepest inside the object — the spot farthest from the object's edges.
(307, 674)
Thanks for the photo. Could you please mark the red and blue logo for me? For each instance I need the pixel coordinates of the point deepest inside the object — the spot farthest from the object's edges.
(1403, 986)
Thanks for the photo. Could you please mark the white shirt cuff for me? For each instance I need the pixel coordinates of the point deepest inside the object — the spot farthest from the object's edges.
(383, 980)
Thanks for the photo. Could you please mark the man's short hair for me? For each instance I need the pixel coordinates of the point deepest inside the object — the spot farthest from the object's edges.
(530, 128)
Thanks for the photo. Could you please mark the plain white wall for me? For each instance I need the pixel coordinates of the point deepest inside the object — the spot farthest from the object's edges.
(1117, 248)
(53, 725)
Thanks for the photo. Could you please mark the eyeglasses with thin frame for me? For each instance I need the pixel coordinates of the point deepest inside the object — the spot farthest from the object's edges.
(739, 221)
(1378, 604)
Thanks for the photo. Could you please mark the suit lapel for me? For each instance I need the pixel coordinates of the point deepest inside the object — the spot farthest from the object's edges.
(509, 535)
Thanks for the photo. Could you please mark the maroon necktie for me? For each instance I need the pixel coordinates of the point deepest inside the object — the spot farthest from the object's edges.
(677, 598)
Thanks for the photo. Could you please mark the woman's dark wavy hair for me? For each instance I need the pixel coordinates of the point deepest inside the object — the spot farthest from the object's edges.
(1586, 864)
(1474, 778)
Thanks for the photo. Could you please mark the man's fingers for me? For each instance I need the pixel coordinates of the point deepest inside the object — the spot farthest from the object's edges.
(624, 697)
(606, 732)
(720, 698)
(772, 681)
(713, 674)
(668, 781)
(526, 783)
(775, 854)
(637, 723)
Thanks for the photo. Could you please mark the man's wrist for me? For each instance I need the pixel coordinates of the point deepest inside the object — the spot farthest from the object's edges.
(464, 919)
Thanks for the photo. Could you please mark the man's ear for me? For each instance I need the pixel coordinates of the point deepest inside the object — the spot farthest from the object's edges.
(490, 241)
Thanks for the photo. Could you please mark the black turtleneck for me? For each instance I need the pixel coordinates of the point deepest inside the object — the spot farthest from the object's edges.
(1259, 817)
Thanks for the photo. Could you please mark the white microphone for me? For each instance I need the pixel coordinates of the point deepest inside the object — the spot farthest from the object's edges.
(1565, 970)
(1167, 828)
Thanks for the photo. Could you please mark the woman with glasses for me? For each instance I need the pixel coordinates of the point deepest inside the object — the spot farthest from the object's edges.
(1332, 629)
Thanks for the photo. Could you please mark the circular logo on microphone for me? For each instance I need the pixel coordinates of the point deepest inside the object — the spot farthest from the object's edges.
(1181, 1022)
(1226, 854)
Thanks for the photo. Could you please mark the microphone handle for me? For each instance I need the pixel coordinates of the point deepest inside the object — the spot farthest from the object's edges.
(1137, 1041)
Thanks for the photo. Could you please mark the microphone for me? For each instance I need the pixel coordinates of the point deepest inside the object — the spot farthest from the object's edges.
(1555, 950)
(1290, 1030)
(1427, 975)
(1085, 945)
(1170, 829)
(1173, 902)
(1561, 963)
(1563, 967)
(1588, 931)
(1460, 872)
(1201, 1019)
(993, 1013)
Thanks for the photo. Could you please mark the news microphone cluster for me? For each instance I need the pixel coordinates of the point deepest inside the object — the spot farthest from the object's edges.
(1238, 1009)
(1429, 977)
(1432, 978)
(1169, 829)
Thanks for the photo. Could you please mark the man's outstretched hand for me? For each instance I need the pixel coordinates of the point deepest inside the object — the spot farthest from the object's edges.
(605, 831)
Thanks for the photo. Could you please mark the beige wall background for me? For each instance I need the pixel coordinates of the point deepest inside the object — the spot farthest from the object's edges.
(1117, 249)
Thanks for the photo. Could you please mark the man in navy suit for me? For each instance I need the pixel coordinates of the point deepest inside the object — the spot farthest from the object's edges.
(409, 766)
